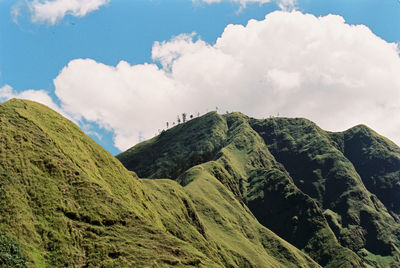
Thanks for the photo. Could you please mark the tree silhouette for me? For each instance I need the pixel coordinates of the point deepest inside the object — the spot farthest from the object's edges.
(178, 119)
(184, 117)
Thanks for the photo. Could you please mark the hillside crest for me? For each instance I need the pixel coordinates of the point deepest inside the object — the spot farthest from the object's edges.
(221, 191)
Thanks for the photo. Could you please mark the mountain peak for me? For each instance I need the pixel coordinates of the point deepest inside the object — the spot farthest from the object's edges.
(65, 201)
(225, 190)
(288, 170)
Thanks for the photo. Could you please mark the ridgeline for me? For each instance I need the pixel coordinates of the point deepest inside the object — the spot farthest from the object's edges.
(220, 191)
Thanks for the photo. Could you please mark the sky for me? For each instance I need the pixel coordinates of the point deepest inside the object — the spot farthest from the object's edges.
(122, 69)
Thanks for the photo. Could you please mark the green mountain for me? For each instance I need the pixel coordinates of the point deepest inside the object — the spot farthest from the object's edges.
(334, 196)
(221, 191)
(66, 202)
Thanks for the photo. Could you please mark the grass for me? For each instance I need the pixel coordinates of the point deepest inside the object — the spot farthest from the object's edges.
(226, 220)
(278, 192)
(177, 149)
(377, 160)
(65, 201)
(298, 180)
(68, 202)
(10, 253)
(321, 165)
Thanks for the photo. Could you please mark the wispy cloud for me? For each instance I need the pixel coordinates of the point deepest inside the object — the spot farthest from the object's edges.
(283, 4)
(51, 12)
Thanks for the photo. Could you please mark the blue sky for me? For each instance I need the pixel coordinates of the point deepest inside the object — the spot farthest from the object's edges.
(33, 53)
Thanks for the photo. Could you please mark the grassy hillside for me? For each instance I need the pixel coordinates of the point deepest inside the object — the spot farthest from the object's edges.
(230, 232)
(174, 151)
(359, 219)
(377, 160)
(65, 201)
(301, 182)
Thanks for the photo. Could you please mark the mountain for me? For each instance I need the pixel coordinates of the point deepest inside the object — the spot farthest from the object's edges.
(66, 202)
(219, 191)
(332, 195)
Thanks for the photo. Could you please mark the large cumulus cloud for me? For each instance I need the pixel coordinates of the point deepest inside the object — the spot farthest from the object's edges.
(290, 63)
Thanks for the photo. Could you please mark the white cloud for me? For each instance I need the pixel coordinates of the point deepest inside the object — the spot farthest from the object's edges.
(290, 63)
(16, 11)
(281, 80)
(123, 98)
(52, 12)
(283, 4)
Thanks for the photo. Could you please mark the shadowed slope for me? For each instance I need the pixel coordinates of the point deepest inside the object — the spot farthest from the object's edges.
(238, 239)
(273, 198)
(359, 219)
(244, 165)
(329, 194)
(243, 241)
(174, 151)
(377, 160)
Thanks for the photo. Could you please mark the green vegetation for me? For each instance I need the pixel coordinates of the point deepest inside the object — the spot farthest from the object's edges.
(377, 160)
(332, 195)
(176, 150)
(68, 202)
(10, 255)
(219, 226)
(222, 191)
(65, 201)
(317, 162)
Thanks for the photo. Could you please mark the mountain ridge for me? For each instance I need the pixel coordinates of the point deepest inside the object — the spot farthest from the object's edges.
(65, 201)
(221, 191)
(283, 151)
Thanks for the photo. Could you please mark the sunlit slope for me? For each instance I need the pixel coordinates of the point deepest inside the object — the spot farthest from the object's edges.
(66, 202)
(301, 182)
(225, 229)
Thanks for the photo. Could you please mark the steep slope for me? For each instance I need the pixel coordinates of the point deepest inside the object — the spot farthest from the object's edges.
(273, 198)
(235, 235)
(243, 241)
(65, 201)
(291, 175)
(172, 152)
(359, 219)
(377, 160)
